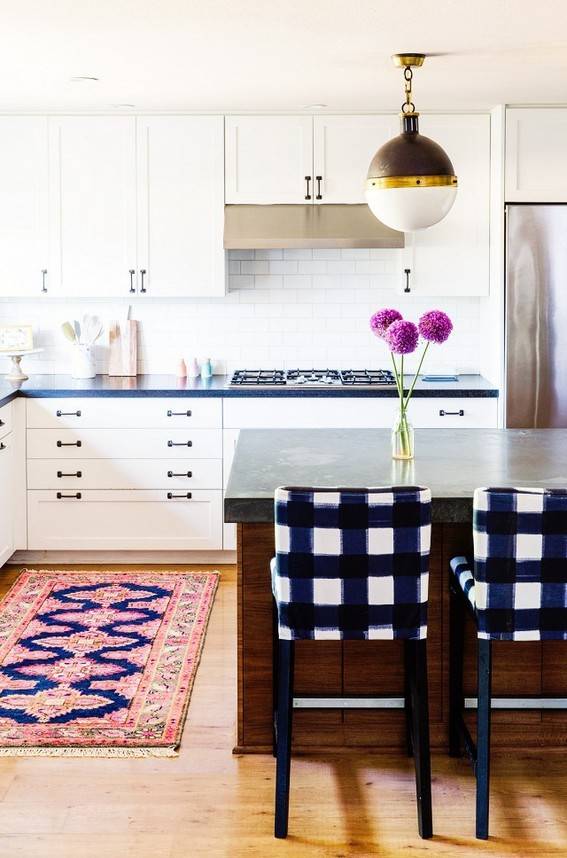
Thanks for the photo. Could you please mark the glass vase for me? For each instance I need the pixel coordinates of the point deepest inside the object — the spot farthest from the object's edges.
(402, 437)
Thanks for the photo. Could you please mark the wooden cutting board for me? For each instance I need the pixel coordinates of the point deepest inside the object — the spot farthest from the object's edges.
(123, 348)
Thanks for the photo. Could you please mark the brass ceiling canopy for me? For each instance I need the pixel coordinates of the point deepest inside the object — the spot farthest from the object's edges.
(410, 162)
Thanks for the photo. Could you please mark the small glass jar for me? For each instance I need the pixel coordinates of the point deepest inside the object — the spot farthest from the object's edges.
(402, 437)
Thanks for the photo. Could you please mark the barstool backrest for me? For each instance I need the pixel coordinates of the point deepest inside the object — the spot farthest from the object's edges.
(520, 563)
(352, 563)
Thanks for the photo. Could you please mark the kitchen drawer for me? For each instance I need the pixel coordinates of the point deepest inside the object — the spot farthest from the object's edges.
(309, 413)
(6, 419)
(462, 413)
(124, 444)
(119, 413)
(124, 520)
(125, 474)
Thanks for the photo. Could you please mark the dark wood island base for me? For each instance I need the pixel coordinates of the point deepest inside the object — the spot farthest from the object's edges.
(353, 668)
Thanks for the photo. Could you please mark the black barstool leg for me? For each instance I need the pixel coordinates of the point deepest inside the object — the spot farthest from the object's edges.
(284, 723)
(483, 738)
(456, 656)
(274, 676)
(407, 696)
(420, 719)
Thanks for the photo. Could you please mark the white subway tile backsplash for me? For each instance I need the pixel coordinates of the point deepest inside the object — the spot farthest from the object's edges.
(284, 308)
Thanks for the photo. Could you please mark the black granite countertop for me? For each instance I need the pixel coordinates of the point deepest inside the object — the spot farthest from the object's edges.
(219, 386)
(451, 464)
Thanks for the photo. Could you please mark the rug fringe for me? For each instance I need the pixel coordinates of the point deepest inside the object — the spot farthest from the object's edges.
(89, 752)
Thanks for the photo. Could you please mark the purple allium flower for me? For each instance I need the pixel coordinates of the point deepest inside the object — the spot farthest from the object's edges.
(381, 321)
(402, 337)
(435, 326)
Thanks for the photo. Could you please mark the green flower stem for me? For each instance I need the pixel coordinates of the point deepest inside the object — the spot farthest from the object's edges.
(397, 377)
(408, 397)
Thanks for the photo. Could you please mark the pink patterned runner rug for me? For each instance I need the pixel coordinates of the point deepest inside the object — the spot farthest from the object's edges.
(100, 663)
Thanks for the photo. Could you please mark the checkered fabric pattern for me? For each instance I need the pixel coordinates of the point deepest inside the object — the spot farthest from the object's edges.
(352, 564)
(519, 589)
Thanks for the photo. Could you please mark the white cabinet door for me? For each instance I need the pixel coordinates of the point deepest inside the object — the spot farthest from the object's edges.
(23, 205)
(343, 147)
(268, 159)
(125, 520)
(7, 493)
(452, 257)
(536, 142)
(93, 204)
(181, 205)
(172, 444)
(229, 439)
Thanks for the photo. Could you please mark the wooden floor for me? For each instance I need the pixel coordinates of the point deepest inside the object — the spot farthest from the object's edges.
(207, 802)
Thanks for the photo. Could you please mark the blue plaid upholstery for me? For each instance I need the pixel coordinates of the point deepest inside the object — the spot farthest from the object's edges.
(519, 590)
(352, 563)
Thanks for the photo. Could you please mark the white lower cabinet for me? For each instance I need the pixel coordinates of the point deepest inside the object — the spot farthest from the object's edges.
(127, 475)
(7, 492)
(124, 520)
(229, 439)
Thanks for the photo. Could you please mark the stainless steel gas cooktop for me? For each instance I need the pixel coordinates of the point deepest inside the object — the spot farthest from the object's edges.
(313, 377)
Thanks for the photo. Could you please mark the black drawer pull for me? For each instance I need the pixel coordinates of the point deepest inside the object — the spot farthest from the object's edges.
(2, 446)
(2, 423)
(69, 443)
(67, 413)
(179, 413)
(75, 474)
(76, 496)
(171, 496)
(180, 443)
(459, 413)
(187, 474)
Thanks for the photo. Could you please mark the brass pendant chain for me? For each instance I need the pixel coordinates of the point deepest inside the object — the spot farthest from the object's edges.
(408, 106)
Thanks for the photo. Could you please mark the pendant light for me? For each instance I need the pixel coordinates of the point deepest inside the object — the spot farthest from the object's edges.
(411, 182)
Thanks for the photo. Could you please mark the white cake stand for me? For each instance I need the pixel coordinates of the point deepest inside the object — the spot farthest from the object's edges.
(16, 373)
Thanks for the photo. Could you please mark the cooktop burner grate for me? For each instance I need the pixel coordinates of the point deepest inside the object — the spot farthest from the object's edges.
(313, 377)
(367, 376)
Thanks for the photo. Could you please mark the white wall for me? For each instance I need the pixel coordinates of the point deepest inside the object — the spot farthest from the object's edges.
(284, 308)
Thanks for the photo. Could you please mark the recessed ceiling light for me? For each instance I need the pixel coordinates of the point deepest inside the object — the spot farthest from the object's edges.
(315, 106)
(83, 78)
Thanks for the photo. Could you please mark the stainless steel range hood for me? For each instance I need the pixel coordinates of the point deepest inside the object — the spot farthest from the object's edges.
(261, 227)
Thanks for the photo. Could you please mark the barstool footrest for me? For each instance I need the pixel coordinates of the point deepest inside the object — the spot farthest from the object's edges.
(348, 702)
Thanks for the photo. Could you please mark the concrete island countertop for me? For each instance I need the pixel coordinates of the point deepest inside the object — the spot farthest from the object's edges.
(451, 464)
(219, 386)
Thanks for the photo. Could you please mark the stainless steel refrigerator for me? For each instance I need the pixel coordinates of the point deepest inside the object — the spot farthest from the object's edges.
(536, 316)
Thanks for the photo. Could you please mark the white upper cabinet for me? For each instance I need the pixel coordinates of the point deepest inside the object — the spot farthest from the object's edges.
(181, 205)
(23, 205)
(269, 159)
(536, 143)
(343, 147)
(93, 205)
(452, 257)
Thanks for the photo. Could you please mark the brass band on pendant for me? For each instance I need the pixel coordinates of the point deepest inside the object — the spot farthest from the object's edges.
(381, 182)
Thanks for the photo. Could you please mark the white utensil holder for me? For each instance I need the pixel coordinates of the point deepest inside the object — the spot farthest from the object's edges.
(83, 361)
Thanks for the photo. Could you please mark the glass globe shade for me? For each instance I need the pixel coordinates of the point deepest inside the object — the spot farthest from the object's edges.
(411, 209)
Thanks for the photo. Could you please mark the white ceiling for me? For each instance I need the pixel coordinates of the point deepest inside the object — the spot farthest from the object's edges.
(231, 55)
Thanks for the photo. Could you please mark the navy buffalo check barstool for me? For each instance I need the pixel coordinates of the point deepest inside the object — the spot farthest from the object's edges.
(352, 564)
(516, 590)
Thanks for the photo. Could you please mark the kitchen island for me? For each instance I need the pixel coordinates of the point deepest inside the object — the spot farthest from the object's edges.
(452, 464)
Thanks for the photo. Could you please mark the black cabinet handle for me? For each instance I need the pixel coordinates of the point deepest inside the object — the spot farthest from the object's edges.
(307, 180)
(67, 413)
(178, 413)
(76, 496)
(75, 474)
(318, 179)
(44, 279)
(180, 443)
(187, 474)
(70, 444)
(171, 496)
(2, 423)
(407, 272)
(132, 272)
(143, 273)
(459, 413)
(3, 446)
